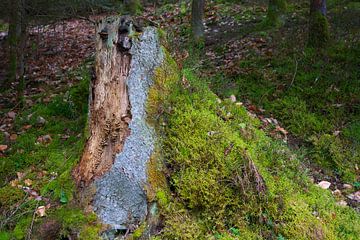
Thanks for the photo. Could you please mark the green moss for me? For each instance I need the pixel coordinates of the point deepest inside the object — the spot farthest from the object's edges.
(138, 233)
(319, 33)
(293, 112)
(10, 195)
(208, 146)
(21, 228)
(73, 220)
(90, 233)
(332, 153)
(49, 165)
(5, 235)
(133, 7)
(276, 12)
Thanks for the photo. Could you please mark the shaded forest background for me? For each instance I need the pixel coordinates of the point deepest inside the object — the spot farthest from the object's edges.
(293, 65)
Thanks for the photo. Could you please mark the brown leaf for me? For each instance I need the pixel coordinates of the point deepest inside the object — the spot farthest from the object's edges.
(11, 114)
(3, 148)
(13, 137)
(26, 127)
(28, 182)
(41, 211)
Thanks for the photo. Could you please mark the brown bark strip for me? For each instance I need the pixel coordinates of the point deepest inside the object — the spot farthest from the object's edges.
(109, 107)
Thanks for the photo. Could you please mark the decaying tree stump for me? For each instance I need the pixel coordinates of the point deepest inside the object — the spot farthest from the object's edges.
(112, 171)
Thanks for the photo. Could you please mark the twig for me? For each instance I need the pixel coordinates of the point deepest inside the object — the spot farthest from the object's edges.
(3, 223)
(28, 236)
(86, 19)
(296, 68)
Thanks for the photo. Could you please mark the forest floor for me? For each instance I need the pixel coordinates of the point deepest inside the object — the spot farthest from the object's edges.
(280, 80)
(309, 99)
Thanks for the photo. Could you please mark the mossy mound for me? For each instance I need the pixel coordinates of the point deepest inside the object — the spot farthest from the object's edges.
(226, 178)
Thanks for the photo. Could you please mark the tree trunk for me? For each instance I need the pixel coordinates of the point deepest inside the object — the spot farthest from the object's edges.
(318, 25)
(17, 45)
(21, 53)
(197, 15)
(13, 36)
(112, 171)
(275, 12)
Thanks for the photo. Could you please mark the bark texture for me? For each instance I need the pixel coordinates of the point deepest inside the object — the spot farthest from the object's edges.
(197, 15)
(17, 43)
(109, 105)
(112, 172)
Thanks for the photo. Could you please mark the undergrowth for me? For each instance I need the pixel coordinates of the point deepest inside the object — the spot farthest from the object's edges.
(37, 167)
(226, 178)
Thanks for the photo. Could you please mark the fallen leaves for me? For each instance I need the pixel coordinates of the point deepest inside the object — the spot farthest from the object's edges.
(11, 115)
(3, 148)
(41, 211)
(46, 139)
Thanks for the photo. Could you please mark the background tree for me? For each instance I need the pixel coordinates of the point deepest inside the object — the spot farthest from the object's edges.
(21, 14)
(275, 13)
(318, 25)
(197, 15)
(133, 6)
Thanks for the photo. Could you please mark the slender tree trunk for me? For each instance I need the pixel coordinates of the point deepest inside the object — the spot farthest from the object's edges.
(275, 12)
(17, 44)
(13, 34)
(197, 15)
(318, 25)
(21, 52)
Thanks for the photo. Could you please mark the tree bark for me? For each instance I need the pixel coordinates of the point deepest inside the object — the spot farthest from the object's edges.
(13, 36)
(197, 15)
(112, 172)
(318, 25)
(17, 44)
(21, 52)
(109, 106)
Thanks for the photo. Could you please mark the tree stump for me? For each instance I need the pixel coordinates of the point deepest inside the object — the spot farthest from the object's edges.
(112, 171)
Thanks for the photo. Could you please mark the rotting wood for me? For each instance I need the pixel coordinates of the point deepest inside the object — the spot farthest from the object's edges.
(109, 113)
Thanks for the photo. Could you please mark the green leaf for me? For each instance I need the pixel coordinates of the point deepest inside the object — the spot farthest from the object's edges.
(63, 198)
(235, 231)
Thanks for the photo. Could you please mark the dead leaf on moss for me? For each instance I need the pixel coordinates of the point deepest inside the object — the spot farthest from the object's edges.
(28, 182)
(41, 211)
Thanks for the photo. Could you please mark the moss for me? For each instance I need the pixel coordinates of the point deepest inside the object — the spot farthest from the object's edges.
(90, 233)
(74, 221)
(207, 146)
(293, 112)
(275, 12)
(5, 235)
(156, 177)
(10, 195)
(319, 33)
(48, 165)
(21, 228)
(138, 233)
(133, 7)
(332, 153)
